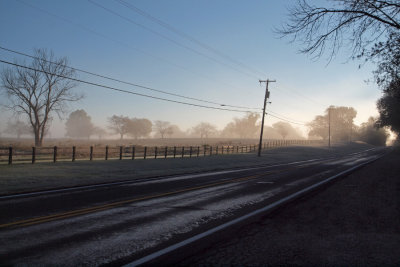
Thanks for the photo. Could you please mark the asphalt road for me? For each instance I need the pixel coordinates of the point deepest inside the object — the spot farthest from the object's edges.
(119, 223)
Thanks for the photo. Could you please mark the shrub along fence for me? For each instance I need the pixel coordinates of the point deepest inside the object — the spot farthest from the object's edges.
(32, 155)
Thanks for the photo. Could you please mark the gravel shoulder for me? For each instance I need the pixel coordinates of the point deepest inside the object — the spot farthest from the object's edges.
(33, 177)
(353, 222)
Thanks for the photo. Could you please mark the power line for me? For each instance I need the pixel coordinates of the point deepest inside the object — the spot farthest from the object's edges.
(129, 83)
(170, 39)
(186, 36)
(121, 90)
(302, 95)
(303, 124)
(141, 51)
(149, 54)
(139, 94)
(123, 44)
(285, 117)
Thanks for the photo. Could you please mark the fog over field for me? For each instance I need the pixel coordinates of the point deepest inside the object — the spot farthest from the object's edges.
(172, 64)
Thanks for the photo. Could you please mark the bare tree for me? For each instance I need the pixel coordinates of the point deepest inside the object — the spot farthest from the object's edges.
(119, 125)
(319, 127)
(17, 128)
(245, 127)
(99, 132)
(283, 128)
(369, 133)
(79, 124)
(163, 128)
(40, 90)
(205, 129)
(356, 24)
(139, 128)
(341, 121)
(177, 132)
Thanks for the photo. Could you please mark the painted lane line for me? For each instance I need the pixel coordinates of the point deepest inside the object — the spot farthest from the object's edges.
(273, 205)
(74, 213)
(75, 188)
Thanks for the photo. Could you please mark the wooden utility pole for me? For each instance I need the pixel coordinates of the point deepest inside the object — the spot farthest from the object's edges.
(329, 127)
(263, 115)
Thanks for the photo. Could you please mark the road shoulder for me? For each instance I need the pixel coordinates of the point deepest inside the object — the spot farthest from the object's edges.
(353, 222)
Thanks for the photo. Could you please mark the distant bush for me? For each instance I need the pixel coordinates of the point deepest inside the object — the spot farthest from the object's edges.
(370, 134)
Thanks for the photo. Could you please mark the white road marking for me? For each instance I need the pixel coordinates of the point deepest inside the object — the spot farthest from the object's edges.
(273, 205)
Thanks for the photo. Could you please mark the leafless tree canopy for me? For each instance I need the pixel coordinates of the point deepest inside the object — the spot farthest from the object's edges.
(163, 128)
(79, 125)
(17, 128)
(351, 23)
(119, 125)
(341, 121)
(204, 129)
(283, 128)
(40, 91)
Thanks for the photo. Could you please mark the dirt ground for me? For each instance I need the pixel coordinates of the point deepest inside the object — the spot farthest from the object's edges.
(353, 222)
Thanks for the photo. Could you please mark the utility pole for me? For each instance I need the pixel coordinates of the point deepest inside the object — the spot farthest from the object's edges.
(263, 115)
(329, 127)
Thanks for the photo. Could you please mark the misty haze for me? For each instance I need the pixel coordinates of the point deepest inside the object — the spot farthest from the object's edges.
(200, 133)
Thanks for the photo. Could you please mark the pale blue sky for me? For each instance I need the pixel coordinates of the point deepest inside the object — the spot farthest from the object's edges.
(98, 41)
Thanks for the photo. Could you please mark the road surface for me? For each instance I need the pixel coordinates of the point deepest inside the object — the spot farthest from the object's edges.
(123, 222)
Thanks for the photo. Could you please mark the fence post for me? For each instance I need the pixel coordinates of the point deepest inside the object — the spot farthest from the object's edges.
(198, 151)
(204, 150)
(222, 150)
(166, 152)
(120, 153)
(91, 153)
(155, 152)
(33, 154)
(216, 151)
(10, 155)
(133, 152)
(210, 150)
(183, 151)
(73, 153)
(106, 152)
(145, 152)
(190, 152)
(55, 154)
(174, 151)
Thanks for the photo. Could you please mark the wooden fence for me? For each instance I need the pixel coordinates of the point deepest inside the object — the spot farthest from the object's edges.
(32, 155)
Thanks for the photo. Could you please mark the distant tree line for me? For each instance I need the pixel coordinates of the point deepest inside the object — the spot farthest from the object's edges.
(79, 125)
(343, 129)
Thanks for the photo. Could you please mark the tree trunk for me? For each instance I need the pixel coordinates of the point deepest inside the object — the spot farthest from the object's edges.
(37, 138)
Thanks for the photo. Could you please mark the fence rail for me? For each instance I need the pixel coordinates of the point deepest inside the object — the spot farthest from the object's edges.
(32, 155)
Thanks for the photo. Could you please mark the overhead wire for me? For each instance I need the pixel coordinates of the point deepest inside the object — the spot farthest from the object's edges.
(171, 40)
(203, 45)
(139, 94)
(85, 28)
(293, 91)
(121, 90)
(130, 83)
(186, 36)
(284, 117)
(158, 58)
(277, 117)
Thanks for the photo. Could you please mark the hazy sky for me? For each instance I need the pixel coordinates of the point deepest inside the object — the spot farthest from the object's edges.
(128, 46)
